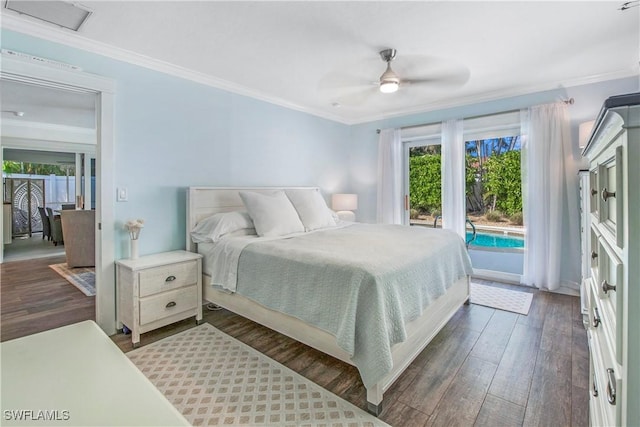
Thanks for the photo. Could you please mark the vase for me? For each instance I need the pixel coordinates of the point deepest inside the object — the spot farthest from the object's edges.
(133, 254)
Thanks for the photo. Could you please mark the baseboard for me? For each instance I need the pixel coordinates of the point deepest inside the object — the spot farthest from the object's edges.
(566, 288)
(498, 276)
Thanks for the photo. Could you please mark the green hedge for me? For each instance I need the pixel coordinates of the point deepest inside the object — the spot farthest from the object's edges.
(425, 174)
(503, 181)
(500, 180)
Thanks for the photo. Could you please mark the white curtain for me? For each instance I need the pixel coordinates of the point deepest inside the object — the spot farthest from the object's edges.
(453, 177)
(390, 177)
(550, 204)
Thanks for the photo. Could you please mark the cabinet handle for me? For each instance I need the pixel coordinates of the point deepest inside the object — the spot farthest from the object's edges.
(594, 254)
(170, 279)
(595, 387)
(606, 194)
(170, 304)
(611, 387)
(596, 317)
(594, 192)
(606, 287)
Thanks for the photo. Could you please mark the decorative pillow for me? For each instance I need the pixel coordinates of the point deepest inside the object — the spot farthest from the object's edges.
(312, 208)
(272, 213)
(217, 226)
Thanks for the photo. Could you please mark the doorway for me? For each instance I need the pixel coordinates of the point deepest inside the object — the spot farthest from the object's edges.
(48, 77)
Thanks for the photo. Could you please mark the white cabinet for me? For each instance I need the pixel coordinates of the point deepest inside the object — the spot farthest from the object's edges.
(156, 290)
(611, 270)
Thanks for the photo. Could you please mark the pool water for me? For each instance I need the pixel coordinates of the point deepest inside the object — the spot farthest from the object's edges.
(496, 240)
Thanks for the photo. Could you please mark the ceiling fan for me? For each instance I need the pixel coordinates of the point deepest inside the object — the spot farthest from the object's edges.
(436, 73)
(416, 75)
(389, 80)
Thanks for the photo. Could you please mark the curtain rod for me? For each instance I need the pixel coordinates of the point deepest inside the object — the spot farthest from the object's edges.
(569, 101)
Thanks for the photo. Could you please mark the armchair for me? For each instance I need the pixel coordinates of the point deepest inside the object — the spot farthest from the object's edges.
(79, 231)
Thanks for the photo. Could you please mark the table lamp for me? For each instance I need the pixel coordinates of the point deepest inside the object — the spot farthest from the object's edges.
(344, 205)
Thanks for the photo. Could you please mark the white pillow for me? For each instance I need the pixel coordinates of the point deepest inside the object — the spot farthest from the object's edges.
(217, 226)
(312, 208)
(272, 213)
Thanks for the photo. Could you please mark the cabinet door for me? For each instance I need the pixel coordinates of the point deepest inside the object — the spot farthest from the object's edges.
(595, 235)
(610, 292)
(610, 196)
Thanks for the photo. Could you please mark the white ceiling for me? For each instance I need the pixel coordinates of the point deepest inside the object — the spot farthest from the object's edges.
(309, 55)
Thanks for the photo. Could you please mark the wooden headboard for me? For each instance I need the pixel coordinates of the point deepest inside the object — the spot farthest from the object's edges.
(203, 202)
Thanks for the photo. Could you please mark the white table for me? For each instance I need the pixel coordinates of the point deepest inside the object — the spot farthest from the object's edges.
(81, 378)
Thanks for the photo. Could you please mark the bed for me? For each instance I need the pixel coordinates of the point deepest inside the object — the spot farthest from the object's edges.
(353, 291)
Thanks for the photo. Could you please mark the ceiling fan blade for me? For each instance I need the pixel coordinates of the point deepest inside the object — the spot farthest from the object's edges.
(433, 71)
(449, 80)
(356, 97)
(340, 80)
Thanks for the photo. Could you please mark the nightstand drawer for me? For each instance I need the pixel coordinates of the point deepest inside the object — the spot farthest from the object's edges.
(167, 277)
(166, 304)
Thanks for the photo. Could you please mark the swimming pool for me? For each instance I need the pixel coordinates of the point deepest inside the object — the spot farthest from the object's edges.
(496, 240)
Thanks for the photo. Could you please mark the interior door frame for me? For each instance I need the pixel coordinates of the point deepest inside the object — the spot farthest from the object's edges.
(104, 88)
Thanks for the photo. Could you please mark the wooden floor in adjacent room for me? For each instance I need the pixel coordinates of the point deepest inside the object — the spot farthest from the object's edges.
(34, 298)
(485, 368)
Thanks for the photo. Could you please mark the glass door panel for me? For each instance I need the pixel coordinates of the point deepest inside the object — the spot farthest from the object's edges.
(423, 183)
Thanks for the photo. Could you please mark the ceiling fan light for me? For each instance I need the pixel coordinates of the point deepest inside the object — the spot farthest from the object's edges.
(389, 80)
(388, 86)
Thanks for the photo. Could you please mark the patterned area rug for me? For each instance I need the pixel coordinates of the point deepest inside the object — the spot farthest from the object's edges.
(214, 379)
(83, 278)
(502, 299)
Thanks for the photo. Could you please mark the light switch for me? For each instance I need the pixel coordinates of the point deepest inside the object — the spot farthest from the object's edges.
(123, 194)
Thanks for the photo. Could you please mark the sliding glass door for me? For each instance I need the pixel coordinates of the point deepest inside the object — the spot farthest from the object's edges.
(494, 206)
(423, 182)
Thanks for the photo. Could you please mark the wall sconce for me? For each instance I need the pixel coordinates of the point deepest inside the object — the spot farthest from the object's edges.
(344, 205)
(584, 132)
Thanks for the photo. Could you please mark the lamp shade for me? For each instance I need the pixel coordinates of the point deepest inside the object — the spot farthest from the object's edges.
(344, 202)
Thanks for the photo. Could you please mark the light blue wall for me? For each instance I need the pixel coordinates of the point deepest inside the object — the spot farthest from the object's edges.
(172, 133)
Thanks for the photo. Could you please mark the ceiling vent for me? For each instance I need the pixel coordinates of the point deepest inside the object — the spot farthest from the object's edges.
(61, 13)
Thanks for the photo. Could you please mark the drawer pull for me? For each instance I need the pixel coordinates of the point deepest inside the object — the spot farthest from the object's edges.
(606, 287)
(596, 317)
(170, 304)
(594, 255)
(606, 194)
(595, 387)
(611, 387)
(170, 279)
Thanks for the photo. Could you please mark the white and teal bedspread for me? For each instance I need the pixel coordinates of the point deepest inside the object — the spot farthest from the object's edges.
(360, 283)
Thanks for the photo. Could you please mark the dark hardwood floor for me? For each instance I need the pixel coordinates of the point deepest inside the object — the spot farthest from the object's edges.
(485, 368)
(34, 298)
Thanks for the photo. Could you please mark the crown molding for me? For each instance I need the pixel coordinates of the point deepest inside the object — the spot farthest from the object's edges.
(66, 37)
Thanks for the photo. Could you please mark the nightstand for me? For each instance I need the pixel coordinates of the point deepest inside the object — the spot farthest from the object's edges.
(157, 290)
